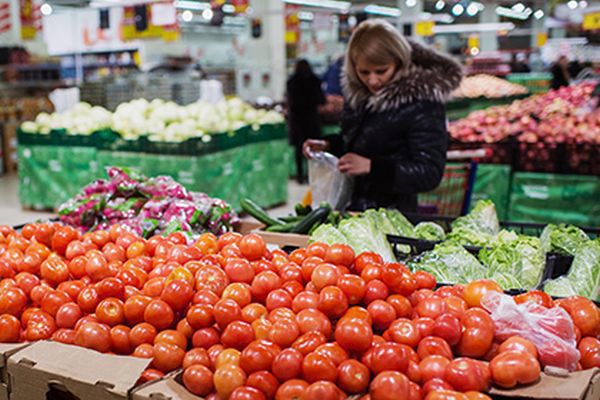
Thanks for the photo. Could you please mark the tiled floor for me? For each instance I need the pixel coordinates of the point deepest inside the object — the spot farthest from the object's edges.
(11, 212)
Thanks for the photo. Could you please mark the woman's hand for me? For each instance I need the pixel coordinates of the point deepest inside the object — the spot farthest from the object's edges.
(354, 165)
(312, 145)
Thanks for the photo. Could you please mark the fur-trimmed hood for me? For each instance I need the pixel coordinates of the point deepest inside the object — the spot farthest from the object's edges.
(432, 76)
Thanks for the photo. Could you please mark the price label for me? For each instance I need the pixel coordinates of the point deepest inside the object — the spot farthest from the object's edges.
(424, 28)
(591, 21)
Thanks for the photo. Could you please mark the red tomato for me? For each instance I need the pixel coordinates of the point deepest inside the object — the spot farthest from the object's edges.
(196, 357)
(226, 311)
(167, 357)
(332, 302)
(159, 314)
(237, 334)
(239, 270)
(110, 311)
(433, 367)
(324, 275)
(253, 311)
(10, 328)
(278, 298)
(309, 342)
(333, 351)
(375, 290)
(465, 374)
(511, 368)
(311, 319)
(263, 284)
(12, 301)
(517, 343)
(382, 314)
(172, 337)
(478, 335)
(354, 335)
(585, 315)
(366, 258)
(134, 308)
(177, 294)
(293, 389)
(305, 300)
(200, 316)
(353, 376)
(353, 286)
(247, 393)
(340, 254)
(537, 296)
(317, 367)
(389, 357)
(252, 247)
(589, 348)
(198, 379)
(399, 279)
(435, 385)
(142, 333)
(67, 315)
(227, 379)
(205, 338)
(424, 280)
(448, 327)
(404, 331)
(389, 385)
(291, 272)
(211, 278)
(322, 390)
(119, 339)
(474, 291)
(401, 304)
(93, 336)
(287, 364)
(284, 332)
(66, 336)
(431, 345)
(431, 307)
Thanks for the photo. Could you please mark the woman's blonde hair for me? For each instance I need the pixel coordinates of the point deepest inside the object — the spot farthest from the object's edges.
(379, 42)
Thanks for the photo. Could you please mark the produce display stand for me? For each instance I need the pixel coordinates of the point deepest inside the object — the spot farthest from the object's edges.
(245, 163)
(536, 82)
(460, 108)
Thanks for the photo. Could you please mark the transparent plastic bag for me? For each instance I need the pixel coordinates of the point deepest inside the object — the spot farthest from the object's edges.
(550, 329)
(327, 184)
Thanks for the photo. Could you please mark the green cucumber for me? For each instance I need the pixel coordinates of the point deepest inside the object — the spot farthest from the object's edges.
(291, 218)
(302, 210)
(316, 216)
(287, 227)
(259, 213)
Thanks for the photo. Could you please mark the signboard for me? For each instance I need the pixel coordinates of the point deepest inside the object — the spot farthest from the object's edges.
(132, 29)
(473, 41)
(541, 39)
(241, 6)
(28, 29)
(292, 25)
(424, 28)
(591, 21)
(5, 17)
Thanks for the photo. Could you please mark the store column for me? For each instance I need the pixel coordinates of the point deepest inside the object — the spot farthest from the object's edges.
(261, 69)
(539, 34)
(411, 14)
(489, 40)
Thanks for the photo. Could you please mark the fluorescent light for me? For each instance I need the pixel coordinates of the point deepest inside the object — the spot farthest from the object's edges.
(191, 5)
(208, 14)
(472, 9)
(539, 14)
(228, 8)
(46, 9)
(381, 10)
(440, 4)
(583, 4)
(484, 27)
(519, 7)
(187, 15)
(510, 13)
(338, 5)
(411, 3)
(306, 16)
(458, 9)
(572, 4)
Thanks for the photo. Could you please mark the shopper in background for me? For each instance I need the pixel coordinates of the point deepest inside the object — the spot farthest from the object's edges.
(560, 73)
(519, 64)
(394, 136)
(304, 95)
(332, 79)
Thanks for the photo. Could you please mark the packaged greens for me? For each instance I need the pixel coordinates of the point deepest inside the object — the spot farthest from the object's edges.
(429, 231)
(562, 238)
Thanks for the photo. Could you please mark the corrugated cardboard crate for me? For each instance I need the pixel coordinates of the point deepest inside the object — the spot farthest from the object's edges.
(169, 388)
(273, 238)
(6, 350)
(51, 368)
(581, 385)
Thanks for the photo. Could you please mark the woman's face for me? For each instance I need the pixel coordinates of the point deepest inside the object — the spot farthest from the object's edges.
(373, 76)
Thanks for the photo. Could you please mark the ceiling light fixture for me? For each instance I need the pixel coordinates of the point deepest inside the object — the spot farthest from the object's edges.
(539, 14)
(187, 16)
(46, 9)
(458, 9)
(411, 3)
(572, 4)
(472, 9)
(191, 5)
(583, 4)
(440, 5)
(482, 27)
(381, 10)
(338, 5)
(208, 14)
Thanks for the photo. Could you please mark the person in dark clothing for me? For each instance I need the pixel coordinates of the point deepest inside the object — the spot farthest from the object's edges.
(332, 78)
(394, 136)
(560, 73)
(519, 64)
(304, 96)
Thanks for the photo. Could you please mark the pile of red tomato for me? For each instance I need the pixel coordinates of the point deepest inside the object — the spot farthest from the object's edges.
(248, 323)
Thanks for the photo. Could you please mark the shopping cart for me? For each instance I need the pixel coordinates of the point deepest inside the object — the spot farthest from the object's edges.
(453, 196)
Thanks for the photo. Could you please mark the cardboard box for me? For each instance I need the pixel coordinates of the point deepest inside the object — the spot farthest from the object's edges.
(55, 369)
(273, 238)
(9, 146)
(581, 385)
(169, 388)
(6, 350)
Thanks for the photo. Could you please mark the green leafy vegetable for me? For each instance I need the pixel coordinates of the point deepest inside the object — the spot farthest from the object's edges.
(482, 219)
(450, 263)
(328, 234)
(403, 226)
(468, 237)
(363, 235)
(429, 231)
(380, 219)
(563, 239)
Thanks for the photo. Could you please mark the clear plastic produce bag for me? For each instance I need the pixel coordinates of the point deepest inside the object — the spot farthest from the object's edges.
(327, 184)
(550, 329)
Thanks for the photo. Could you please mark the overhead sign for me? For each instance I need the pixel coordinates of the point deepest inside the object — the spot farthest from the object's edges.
(424, 28)
(132, 28)
(541, 39)
(28, 30)
(473, 41)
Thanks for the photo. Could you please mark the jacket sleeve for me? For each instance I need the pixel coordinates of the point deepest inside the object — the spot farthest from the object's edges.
(422, 171)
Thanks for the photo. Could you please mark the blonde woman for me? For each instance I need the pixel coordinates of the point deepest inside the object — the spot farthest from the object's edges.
(394, 136)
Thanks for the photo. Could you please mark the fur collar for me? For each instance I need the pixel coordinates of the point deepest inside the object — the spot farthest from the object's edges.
(432, 76)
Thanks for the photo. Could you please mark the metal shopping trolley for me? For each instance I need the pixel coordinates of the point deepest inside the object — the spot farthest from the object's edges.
(453, 196)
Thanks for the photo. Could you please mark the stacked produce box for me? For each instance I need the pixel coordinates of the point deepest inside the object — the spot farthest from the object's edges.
(222, 149)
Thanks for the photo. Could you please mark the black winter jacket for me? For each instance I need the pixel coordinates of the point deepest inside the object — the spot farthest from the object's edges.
(402, 130)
